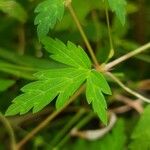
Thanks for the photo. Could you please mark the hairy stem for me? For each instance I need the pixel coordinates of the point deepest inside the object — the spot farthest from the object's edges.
(48, 119)
(128, 89)
(78, 24)
(10, 132)
(127, 56)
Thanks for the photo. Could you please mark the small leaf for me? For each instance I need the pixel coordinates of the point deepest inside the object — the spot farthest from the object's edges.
(119, 7)
(13, 9)
(96, 84)
(99, 80)
(70, 55)
(141, 134)
(5, 84)
(49, 12)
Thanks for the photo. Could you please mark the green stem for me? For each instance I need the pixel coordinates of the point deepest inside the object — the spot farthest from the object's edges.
(127, 56)
(128, 89)
(10, 131)
(111, 53)
(68, 126)
(77, 126)
(78, 24)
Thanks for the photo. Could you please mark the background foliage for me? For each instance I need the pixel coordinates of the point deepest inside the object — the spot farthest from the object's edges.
(22, 55)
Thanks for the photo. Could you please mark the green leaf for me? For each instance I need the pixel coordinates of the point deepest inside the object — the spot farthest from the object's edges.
(64, 82)
(96, 86)
(114, 140)
(119, 7)
(13, 9)
(141, 135)
(49, 12)
(51, 83)
(54, 82)
(68, 54)
(5, 84)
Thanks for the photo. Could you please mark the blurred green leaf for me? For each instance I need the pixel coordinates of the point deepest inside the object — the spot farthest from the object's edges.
(13, 9)
(119, 7)
(141, 135)
(5, 84)
(49, 11)
(28, 61)
(115, 140)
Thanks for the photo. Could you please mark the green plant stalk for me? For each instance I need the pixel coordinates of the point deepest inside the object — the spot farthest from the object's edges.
(127, 56)
(111, 53)
(79, 125)
(31, 134)
(78, 24)
(96, 24)
(10, 132)
(128, 89)
(68, 126)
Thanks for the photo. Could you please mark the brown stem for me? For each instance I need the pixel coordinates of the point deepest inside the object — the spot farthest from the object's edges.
(10, 131)
(136, 104)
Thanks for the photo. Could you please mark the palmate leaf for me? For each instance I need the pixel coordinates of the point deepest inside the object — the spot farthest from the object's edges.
(96, 86)
(119, 7)
(63, 83)
(141, 135)
(49, 12)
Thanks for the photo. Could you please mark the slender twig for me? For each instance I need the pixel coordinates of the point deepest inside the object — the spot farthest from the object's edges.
(68, 126)
(127, 56)
(79, 125)
(78, 24)
(139, 96)
(111, 53)
(10, 131)
(136, 104)
(121, 109)
(48, 119)
(21, 38)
